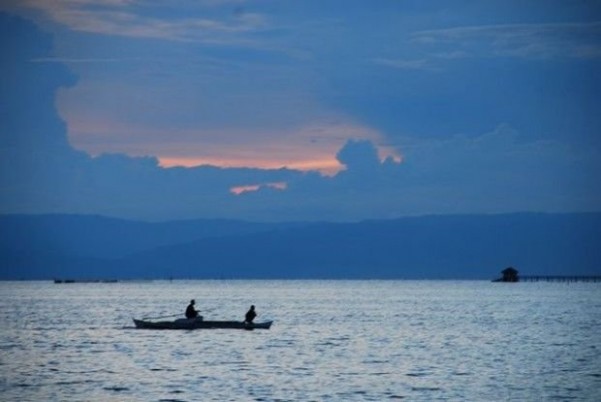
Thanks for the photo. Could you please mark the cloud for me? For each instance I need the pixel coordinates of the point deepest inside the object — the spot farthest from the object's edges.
(528, 41)
(130, 19)
(65, 60)
(305, 148)
(500, 171)
(413, 64)
(28, 117)
(193, 124)
(497, 171)
(359, 155)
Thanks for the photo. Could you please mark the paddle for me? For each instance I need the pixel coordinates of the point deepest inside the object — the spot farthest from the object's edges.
(174, 315)
(163, 316)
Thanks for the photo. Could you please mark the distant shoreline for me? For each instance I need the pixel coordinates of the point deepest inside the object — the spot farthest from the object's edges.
(181, 280)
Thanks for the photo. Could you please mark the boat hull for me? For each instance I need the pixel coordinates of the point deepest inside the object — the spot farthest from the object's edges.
(184, 323)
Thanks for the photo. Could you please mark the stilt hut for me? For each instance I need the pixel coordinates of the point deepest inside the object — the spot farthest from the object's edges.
(510, 274)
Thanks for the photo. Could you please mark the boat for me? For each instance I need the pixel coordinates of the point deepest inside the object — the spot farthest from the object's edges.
(199, 323)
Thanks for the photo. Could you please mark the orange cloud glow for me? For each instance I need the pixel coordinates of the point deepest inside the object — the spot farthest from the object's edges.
(255, 187)
(327, 166)
(313, 147)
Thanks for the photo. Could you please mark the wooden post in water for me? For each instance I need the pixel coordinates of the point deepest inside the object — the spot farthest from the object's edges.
(510, 275)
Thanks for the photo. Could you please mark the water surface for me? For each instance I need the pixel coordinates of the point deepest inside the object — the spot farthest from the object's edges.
(331, 341)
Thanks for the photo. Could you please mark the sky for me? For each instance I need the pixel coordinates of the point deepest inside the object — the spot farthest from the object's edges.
(281, 110)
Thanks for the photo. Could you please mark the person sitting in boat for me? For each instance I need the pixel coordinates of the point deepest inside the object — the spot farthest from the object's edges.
(191, 311)
(250, 315)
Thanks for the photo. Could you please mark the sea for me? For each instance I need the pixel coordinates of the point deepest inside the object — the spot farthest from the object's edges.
(331, 341)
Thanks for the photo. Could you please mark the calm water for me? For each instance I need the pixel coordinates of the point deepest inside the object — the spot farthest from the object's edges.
(331, 341)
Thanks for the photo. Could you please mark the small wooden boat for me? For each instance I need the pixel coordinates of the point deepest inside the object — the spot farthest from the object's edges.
(199, 323)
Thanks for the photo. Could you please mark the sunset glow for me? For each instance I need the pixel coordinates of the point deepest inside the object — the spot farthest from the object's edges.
(309, 148)
(255, 187)
(275, 110)
(326, 166)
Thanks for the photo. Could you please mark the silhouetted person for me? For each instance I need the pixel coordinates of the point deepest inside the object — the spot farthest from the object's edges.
(191, 311)
(250, 315)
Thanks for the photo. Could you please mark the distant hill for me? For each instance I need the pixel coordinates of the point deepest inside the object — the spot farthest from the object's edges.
(429, 247)
(102, 237)
(46, 246)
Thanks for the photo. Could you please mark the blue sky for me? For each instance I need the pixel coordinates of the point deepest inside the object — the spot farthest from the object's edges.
(294, 110)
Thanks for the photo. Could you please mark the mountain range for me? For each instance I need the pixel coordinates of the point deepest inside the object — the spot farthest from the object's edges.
(86, 247)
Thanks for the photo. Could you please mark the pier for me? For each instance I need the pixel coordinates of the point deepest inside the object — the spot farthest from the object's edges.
(86, 281)
(559, 278)
(510, 274)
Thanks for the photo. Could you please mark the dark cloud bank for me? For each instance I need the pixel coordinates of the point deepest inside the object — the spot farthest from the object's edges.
(42, 173)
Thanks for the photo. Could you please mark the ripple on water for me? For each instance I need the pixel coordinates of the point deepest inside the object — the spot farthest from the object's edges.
(75, 382)
(116, 388)
(461, 373)
(406, 340)
(419, 374)
(420, 389)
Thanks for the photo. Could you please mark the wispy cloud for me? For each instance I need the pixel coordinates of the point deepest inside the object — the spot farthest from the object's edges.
(531, 41)
(71, 60)
(126, 18)
(411, 64)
